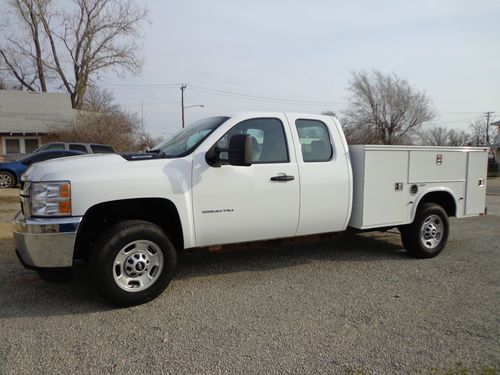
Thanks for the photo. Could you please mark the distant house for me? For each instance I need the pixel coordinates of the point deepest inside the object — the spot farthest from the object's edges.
(28, 118)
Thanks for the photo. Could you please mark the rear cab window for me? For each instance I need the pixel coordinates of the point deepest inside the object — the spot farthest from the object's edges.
(315, 142)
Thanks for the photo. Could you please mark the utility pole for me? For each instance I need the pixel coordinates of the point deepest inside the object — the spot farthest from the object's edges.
(488, 116)
(183, 87)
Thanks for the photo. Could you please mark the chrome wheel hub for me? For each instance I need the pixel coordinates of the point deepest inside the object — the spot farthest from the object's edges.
(138, 265)
(5, 180)
(431, 232)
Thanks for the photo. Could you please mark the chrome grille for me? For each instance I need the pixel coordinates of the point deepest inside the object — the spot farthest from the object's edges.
(24, 195)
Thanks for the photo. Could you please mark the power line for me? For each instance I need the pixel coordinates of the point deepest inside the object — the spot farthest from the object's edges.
(143, 85)
(226, 93)
(459, 113)
(323, 104)
(456, 120)
(269, 98)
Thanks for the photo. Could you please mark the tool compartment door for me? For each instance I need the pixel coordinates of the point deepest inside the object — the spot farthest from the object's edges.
(475, 197)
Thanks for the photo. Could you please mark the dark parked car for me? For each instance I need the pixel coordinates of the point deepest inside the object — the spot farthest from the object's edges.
(88, 148)
(10, 172)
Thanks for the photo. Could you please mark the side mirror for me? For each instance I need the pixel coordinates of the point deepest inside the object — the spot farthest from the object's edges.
(240, 150)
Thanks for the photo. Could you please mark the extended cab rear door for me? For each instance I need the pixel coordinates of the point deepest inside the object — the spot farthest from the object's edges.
(236, 204)
(325, 174)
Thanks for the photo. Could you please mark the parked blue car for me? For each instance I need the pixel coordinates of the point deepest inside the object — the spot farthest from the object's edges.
(10, 173)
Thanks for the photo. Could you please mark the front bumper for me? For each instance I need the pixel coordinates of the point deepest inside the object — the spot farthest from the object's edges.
(47, 242)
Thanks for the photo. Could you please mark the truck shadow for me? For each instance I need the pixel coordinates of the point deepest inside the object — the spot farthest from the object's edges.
(23, 294)
(348, 247)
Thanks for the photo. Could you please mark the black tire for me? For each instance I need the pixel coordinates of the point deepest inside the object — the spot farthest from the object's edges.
(55, 275)
(426, 237)
(106, 268)
(7, 180)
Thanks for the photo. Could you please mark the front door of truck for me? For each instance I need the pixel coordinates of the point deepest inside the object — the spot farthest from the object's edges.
(236, 204)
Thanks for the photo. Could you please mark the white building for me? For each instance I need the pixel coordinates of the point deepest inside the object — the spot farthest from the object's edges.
(28, 118)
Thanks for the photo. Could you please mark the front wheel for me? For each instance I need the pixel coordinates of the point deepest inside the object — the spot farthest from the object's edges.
(7, 180)
(132, 262)
(426, 237)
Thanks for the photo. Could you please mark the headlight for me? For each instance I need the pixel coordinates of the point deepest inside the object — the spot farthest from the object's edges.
(50, 198)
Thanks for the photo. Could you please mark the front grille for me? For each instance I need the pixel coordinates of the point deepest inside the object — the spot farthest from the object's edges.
(24, 195)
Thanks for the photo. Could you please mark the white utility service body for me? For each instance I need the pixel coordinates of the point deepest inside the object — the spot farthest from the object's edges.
(384, 175)
(231, 179)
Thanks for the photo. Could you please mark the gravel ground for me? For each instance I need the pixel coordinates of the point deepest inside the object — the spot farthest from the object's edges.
(357, 304)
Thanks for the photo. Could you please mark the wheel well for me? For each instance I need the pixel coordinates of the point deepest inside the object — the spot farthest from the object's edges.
(159, 211)
(442, 198)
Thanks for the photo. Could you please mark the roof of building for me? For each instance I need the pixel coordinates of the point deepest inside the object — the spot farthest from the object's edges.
(496, 123)
(34, 112)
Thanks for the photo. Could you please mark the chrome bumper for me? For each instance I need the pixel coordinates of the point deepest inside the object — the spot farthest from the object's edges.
(47, 242)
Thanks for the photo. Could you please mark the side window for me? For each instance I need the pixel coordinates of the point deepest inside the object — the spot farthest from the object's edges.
(78, 147)
(268, 140)
(314, 140)
(102, 149)
(55, 146)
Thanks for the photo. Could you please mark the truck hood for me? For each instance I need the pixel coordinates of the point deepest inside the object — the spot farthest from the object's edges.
(102, 178)
(65, 168)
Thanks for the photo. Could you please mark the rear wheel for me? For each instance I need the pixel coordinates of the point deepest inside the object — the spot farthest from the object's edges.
(7, 180)
(427, 235)
(132, 263)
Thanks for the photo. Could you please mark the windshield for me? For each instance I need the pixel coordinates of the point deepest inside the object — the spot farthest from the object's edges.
(189, 138)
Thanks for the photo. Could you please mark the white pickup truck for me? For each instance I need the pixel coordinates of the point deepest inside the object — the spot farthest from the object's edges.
(232, 179)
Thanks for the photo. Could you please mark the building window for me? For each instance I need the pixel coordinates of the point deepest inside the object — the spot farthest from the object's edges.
(12, 146)
(20, 145)
(31, 144)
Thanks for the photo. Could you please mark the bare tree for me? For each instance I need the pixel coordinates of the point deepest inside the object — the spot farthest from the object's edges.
(3, 85)
(441, 136)
(353, 133)
(478, 131)
(148, 141)
(103, 121)
(71, 46)
(386, 108)
(356, 134)
(329, 113)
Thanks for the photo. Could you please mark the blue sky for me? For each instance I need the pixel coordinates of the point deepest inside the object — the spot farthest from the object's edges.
(306, 50)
